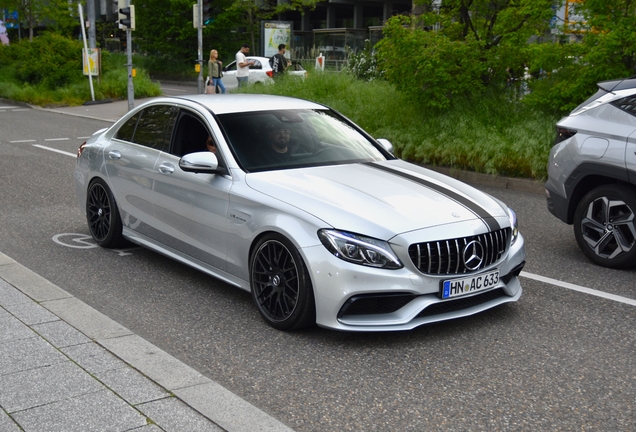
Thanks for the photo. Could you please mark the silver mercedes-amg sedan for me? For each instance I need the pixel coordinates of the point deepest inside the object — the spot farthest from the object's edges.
(291, 201)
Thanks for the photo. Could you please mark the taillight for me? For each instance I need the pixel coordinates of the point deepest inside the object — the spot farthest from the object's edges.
(563, 134)
(81, 149)
(270, 74)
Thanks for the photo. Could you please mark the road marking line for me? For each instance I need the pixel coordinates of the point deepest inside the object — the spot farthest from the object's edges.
(86, 137)
(6, 107)
(56, 139)
(21, 109)
(55, 150)
(177, 90)
(22, 141)
(579, 288)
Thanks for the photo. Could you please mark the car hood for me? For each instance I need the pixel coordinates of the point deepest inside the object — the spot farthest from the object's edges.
(381, 199)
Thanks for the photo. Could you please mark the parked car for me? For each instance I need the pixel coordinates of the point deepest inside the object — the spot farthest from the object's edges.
(260, 72)
(334, 230)
(592, 174)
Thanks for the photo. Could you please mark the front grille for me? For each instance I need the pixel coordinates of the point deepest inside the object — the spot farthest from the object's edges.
(447, 257)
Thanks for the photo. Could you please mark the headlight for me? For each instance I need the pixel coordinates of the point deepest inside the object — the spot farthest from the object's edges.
(514, 225)
(359, 249)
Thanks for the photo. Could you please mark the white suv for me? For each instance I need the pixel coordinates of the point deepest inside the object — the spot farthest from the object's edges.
(592, 174)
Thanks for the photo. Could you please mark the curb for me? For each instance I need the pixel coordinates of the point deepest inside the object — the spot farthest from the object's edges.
(471, 177)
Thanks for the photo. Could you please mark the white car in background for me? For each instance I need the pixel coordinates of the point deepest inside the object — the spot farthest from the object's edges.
(260, 72)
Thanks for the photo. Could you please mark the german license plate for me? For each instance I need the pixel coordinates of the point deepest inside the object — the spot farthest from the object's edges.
(459, 287)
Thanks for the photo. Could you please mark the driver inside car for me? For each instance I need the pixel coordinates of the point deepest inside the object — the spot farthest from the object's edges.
(277, 147)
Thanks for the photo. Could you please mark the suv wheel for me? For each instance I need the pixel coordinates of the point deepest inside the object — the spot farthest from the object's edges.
(605, 226)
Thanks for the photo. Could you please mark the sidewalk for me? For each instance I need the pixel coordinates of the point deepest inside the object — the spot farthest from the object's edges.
(66, 367)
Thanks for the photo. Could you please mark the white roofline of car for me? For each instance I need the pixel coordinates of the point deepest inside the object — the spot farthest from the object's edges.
(236, 103)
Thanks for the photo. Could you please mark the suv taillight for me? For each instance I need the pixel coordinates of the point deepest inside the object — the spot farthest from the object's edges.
(563, 134)
(81, 149)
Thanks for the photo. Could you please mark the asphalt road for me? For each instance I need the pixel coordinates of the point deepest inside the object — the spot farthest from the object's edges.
(557, 360)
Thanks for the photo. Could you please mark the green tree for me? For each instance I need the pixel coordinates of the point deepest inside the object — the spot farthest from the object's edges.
(604, 49)
(58, 15)
(459, 48)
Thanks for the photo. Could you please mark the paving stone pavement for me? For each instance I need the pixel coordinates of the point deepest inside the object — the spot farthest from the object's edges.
(66, 367)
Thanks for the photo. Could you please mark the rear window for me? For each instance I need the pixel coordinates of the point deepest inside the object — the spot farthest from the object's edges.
(627, 104)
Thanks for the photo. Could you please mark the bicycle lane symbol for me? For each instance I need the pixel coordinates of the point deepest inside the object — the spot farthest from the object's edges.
(83, 241)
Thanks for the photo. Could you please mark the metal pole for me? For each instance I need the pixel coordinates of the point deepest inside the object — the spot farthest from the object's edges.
(90, 15)
(200, 57)
(131, 88)
(87, 58)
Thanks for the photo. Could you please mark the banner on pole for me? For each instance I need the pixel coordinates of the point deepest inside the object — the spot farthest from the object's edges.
(91, 61)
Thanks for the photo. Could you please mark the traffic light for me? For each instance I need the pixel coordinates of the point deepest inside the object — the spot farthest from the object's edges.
(126, 15)
(207, 13)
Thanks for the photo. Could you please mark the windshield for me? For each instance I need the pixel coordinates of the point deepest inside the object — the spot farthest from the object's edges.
(283, 139)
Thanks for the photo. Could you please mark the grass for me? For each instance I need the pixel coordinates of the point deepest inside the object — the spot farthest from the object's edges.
(494, 135)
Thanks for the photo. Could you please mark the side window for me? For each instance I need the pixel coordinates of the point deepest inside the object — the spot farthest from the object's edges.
(154, 127)
(127, 130)
(256, 65)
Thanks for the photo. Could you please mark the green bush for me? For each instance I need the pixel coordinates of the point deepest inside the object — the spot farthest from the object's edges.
(52, 85)
(428, 66)
(363, 64)
(50, 60)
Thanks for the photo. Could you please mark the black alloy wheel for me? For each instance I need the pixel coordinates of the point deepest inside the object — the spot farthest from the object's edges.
(605, 226)
(102, 216)
(280, 284)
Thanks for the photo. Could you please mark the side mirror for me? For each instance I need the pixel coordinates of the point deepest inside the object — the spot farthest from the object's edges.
(386, 144)
(200, 162)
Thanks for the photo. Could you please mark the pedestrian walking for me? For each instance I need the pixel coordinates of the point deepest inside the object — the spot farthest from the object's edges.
(278, 61)
(243, 65)
(215, 73)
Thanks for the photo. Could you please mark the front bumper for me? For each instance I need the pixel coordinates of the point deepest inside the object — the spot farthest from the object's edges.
(406, 298)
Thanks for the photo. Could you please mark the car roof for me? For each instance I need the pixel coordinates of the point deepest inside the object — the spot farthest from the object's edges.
(236, 103)
(616, 85)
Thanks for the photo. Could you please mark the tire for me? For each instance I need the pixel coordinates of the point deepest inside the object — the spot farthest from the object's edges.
(102, 215)
(605, 226)
(280, 284)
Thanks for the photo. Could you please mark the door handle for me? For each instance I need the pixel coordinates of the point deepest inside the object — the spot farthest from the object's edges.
(114, 154)
(166, 168)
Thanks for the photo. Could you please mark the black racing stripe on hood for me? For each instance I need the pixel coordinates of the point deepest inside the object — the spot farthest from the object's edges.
(490, 221)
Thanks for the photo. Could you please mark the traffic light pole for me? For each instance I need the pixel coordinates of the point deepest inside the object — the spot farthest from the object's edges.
(200, 83)
(131, 88)
(127, 20)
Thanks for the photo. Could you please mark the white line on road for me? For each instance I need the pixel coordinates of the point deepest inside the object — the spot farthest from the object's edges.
(579, 288)
(21, 109)
(55, 150)
(177, 90)
(86, 137)
(21, 141)
(56, 139)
